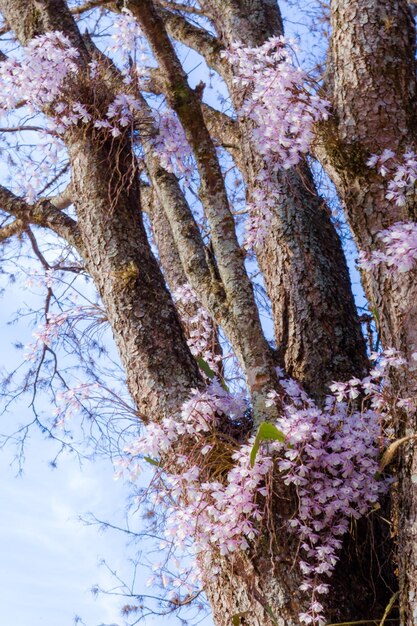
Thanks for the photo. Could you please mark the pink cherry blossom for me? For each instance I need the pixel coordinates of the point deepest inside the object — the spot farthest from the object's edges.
(201, 332)
(398, 248)
(172, 147)
(283, 110)
(38, 78)
(330, 456)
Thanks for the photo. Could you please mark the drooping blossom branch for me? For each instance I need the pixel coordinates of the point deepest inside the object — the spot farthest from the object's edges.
(330, 456)
(278, 101)
(400, 172)
(172, 147)
(201, 333)
(37, 79)
(283, 110)
(398, 249)
(44, 79)
(129, 46)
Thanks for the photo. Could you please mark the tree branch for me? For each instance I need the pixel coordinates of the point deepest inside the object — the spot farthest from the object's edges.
(220, 126)
(63, 200)
(176, 6)
(88, 6)
(255, 353)
(225, 131)
(196, 38)
(43, 214)
(17, 227)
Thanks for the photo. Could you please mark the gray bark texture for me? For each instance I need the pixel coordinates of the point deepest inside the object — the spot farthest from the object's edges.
(371, 84)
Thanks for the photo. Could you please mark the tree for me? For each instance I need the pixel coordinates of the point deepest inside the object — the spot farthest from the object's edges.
(136, 138)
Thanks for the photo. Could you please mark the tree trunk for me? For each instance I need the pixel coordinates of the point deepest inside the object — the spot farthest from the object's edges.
(249, 590)
(317, 331)
(316, 326)
(159, 366)
(372, 85)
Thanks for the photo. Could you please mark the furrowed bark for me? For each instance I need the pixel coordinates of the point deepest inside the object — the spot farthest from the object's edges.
(306, 276)
(159, 367)
(248, 20)
(329, 346)
(257, 360)
(198, 266)
(248, 589)
(372, 86)
(317, 330)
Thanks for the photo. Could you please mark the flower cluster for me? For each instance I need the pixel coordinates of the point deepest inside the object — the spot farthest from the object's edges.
(261, 209)
(332, 464)
(37, 80)
(122, 112)
(217, 514)
(399, 248)
(399, 241)
(47, 61)
(128, 42)
(40, 80)
(330, 457)
(199, 328)
(282, 108)
(401, 172)
(283, 112)
(172, 147)
(45, 335)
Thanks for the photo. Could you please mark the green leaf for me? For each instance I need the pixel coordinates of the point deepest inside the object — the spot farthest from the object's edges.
(236, 617)
(205, 367)
(375, 314)
(148, 459)
(389, 608)
(266, 432)
(391, 451)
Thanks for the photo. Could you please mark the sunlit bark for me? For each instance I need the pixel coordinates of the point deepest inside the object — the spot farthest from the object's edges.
(372, 88)
(372, 85)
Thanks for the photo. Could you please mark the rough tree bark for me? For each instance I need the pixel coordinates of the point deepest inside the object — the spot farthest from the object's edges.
(159, 367)
(371, 86)
(305, 272)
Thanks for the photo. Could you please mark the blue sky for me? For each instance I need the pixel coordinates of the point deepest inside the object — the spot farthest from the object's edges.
(49, 558)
